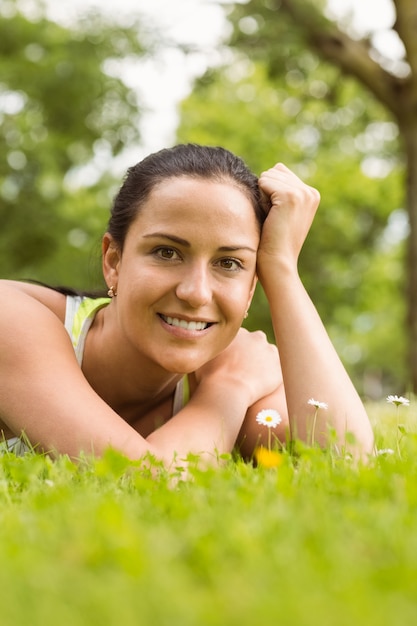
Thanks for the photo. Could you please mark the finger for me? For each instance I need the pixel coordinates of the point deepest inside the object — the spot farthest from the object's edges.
(277, 181)
(279, 177)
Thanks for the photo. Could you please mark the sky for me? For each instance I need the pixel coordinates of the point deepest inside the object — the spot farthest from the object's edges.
(162, 82)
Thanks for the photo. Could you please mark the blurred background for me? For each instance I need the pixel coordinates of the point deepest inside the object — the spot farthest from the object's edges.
(88, 88)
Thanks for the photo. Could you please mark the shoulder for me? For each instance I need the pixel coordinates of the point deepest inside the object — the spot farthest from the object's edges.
(30, 320)
(51, 299)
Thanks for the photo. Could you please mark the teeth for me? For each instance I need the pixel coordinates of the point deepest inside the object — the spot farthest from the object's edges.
(174, 321)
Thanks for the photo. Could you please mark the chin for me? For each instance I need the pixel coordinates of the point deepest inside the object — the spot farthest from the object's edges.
(182, 369)
(185, 366)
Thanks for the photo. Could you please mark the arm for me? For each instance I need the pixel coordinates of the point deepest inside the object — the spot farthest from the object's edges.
(310, 365)
(225, 388)
(44, 393)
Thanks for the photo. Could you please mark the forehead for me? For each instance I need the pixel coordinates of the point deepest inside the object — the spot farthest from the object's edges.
(201, 201)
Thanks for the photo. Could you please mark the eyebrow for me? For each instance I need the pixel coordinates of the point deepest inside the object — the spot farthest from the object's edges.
(184, 242)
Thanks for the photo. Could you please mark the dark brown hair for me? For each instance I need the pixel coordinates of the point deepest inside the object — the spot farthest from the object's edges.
(192, 160)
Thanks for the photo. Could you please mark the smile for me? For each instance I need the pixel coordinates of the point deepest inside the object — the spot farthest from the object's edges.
(174, 321)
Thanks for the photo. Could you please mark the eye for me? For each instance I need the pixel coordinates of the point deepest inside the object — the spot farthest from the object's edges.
(231, 265)
(166, 253)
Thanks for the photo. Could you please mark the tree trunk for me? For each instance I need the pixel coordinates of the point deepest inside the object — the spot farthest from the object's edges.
(409, 133)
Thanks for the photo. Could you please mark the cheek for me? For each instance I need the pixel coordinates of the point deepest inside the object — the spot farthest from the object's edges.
(236, 299)
(140, 283)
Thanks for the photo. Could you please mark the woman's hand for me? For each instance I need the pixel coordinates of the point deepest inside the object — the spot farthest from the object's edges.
(293, 206)
(249, 363)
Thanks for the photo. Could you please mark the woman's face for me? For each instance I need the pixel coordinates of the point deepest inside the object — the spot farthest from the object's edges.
(186, 275)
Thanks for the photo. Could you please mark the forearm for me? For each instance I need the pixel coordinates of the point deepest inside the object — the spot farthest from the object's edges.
(207, 426)
(311, 367)
(248, 369)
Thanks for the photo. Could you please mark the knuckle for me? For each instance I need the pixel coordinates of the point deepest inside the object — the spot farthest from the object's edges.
(315, 195)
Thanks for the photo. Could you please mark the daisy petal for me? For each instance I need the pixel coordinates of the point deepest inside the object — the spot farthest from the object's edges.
(317, 404)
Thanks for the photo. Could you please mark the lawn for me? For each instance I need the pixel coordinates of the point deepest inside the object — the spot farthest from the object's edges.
(315, 541)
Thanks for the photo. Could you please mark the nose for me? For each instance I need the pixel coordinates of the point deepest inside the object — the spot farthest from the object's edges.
(195, 286)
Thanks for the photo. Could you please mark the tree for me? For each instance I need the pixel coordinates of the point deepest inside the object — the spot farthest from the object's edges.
(322, 129)
(62, 104)
(272, 29)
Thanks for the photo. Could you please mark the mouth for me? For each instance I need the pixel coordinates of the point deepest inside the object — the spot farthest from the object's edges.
(181, 323)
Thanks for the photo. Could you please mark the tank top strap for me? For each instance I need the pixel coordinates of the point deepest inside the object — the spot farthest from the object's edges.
(79, 315)
(181, 395)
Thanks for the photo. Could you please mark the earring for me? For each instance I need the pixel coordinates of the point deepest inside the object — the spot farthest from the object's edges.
(111, 292)
(246, 315)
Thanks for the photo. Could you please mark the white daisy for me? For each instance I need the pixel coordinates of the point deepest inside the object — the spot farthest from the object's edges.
(384, 451)
(317, 404)
(398, 400)
(268, 417)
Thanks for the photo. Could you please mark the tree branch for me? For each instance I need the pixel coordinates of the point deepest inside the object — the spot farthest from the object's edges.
(406, 27)
(350, 55)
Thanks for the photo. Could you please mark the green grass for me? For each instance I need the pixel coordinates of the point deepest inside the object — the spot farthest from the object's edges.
(316, 541)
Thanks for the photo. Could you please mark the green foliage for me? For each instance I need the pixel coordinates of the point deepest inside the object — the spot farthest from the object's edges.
(62, 102)
(107, 541)
(332, 135)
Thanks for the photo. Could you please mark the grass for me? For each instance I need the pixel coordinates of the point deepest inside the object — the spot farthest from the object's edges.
(314, 541)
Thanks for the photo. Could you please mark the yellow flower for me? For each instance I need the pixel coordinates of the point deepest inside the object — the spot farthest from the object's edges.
(268, 458)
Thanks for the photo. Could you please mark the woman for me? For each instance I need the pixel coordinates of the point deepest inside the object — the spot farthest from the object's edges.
(188, 237)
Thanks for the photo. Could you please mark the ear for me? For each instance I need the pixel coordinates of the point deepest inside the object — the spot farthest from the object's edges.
(111, 258)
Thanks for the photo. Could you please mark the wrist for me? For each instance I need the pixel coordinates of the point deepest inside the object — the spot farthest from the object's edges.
(276, 271)
(228, 387)
(283, 260)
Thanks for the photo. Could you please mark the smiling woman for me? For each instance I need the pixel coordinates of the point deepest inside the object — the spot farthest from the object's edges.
(162, 365)
(183, 260)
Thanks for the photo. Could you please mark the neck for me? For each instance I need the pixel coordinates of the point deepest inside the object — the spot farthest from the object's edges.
(127, 382)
